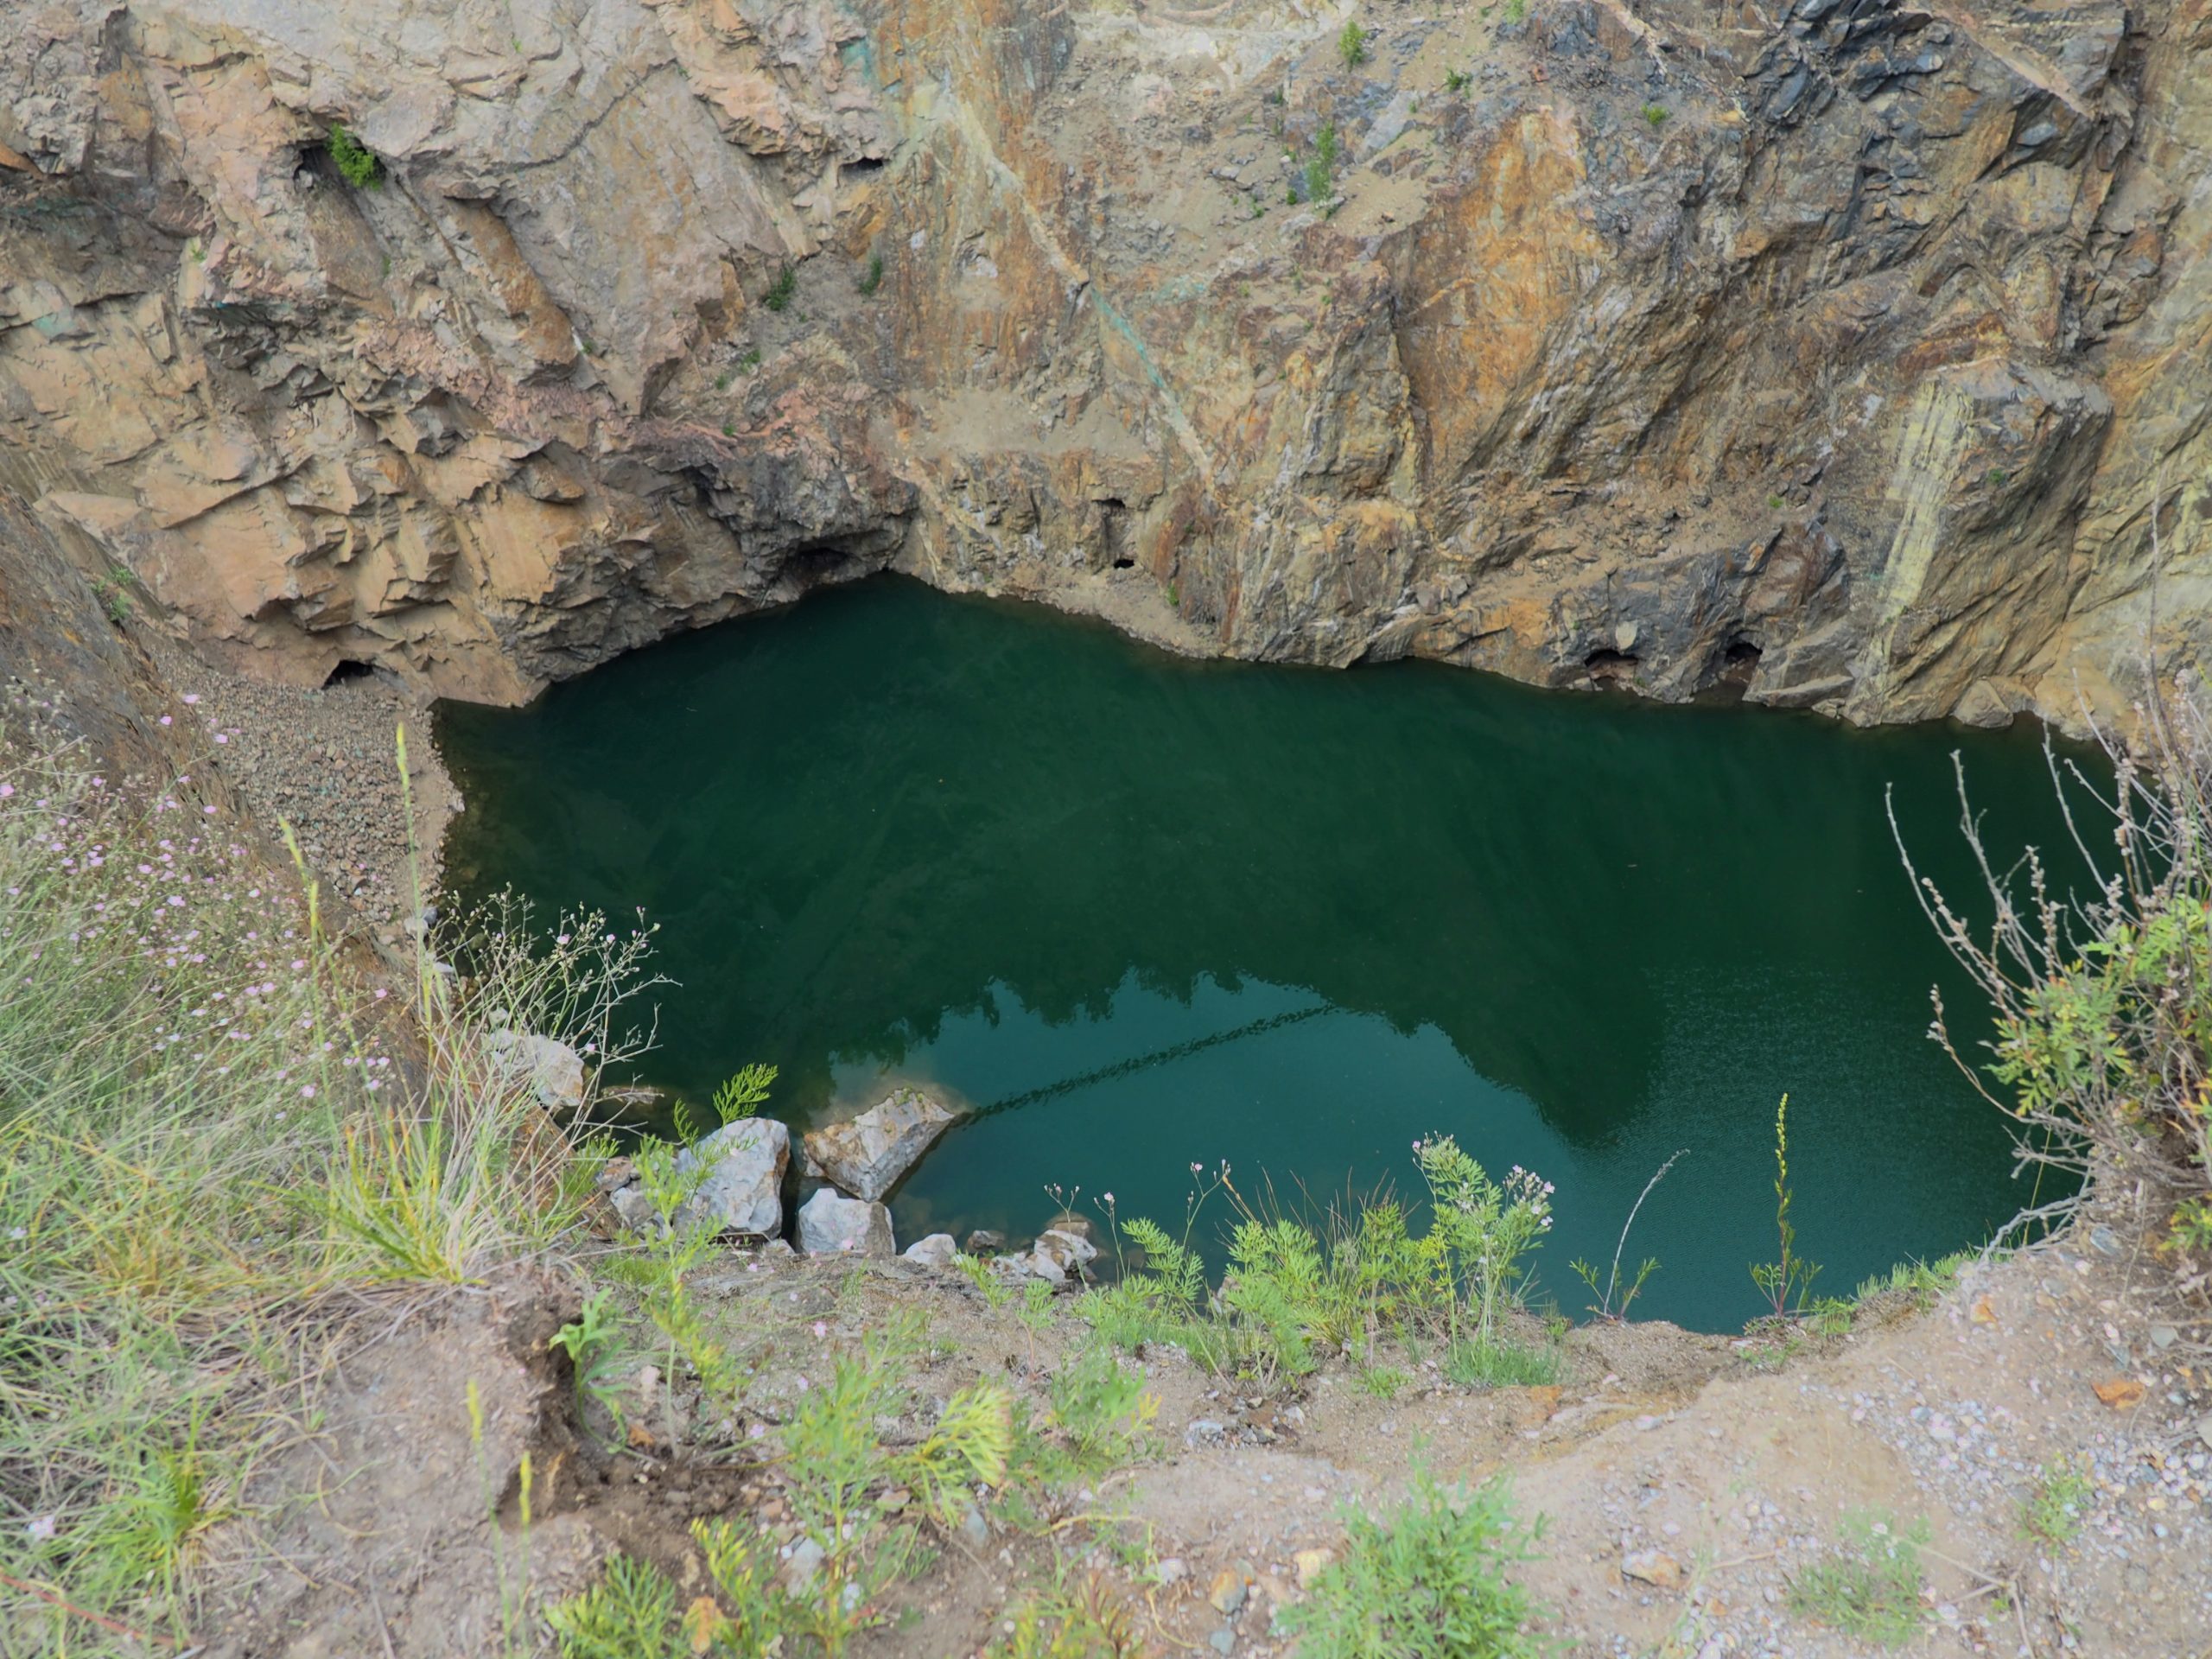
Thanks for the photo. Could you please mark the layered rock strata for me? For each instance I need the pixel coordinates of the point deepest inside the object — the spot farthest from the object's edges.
(1854, 354)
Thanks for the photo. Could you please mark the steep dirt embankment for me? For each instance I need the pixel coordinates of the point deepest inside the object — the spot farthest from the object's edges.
(1839, 351)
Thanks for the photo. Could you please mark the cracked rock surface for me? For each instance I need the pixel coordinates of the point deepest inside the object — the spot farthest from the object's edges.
(1836, 352)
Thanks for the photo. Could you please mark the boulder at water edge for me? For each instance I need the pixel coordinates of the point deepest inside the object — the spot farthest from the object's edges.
(867, 1155)
(743, 1190)
(830, 1224)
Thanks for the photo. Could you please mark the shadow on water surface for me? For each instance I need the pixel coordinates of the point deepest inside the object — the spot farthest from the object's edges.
(1146, 911)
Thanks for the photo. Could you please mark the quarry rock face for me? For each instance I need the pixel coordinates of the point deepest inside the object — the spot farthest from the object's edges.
(1855, 354)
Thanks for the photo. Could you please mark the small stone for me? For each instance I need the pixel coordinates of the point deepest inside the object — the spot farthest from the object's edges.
(1228, 1591)
(935, 1251)
(984, 1240)
(1310, 1562)
(1172, 1569)
(554, 1071)
(1059, 1256)
(975, 1531)
(830, 1224)
(2204, 1429)
(2106, 1242)
(1222, 1640)
(802, 1560)
(1652, 1566)
(634, 1210)
(2164, 1337)
(1204, 1432)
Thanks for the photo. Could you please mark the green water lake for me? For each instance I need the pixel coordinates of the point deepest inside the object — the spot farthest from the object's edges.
(1140, 912)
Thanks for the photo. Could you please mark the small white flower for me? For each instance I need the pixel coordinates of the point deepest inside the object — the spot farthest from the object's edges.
(42, 1526)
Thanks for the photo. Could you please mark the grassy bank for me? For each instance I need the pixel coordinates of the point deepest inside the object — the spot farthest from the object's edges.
(221, 1139)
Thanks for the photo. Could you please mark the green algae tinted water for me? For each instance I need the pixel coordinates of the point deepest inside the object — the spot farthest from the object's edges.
(1143, 912)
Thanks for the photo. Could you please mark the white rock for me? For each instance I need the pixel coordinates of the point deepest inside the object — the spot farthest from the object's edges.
(743, 1190)
(633, 1208)
(830, 1224)
(1057, 1256)
(554, 1071)
(935, 1251)
(866, 1155)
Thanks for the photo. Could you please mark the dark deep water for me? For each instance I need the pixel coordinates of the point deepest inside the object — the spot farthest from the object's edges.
(1144, 912)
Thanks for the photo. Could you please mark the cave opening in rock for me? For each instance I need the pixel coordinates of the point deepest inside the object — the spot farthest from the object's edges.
(346, 670)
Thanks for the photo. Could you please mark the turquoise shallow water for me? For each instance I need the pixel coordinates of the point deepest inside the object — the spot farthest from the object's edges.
(1143, 912)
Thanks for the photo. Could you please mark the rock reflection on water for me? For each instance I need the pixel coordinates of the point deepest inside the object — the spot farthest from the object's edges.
(1143, 912)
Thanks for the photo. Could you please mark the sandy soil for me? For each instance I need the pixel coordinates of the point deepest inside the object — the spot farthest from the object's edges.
(1717, 1469)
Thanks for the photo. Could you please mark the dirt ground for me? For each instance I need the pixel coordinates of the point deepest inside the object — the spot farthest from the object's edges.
(1717, 1469)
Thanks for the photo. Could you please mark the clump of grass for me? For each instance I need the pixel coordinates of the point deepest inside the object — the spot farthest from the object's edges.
(1455, 80)
(1656, 114)
(1086, 1619)
(115, 591)
(782, 290)
(1427, 1582)
(1871, 1586)
(2057, 1504)
(1321, 169)
(872, 278)
(208, 1127)
(356, 163)
(1384, 1381)
(1500, 1363)
(1352, 44)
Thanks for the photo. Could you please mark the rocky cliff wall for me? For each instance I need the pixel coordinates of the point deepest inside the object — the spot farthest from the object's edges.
(1839, 351)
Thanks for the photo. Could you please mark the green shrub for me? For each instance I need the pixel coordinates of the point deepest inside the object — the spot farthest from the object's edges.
(1871, 1586)
(1294, 1291)
(1455, 80)
(1426, 1583)
(1104, 1409)
(356, 164)
(1352, 44)
(632, 1612)
(2103, 1006)
(873, 278)
(1656, 115)
(781, 291)
(1321, 170)
(2058, 1505)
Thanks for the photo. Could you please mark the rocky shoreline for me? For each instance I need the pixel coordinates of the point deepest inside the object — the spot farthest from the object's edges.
(327, 762)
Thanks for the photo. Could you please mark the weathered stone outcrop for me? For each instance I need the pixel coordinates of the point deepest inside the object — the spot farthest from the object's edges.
(867, 1155)
(1840, 352)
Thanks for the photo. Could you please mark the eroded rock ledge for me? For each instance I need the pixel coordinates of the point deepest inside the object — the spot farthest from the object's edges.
(1838, 351)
